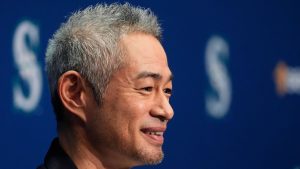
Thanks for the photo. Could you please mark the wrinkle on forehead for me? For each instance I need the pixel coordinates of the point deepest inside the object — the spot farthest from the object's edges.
(138, 42)
(144, 57)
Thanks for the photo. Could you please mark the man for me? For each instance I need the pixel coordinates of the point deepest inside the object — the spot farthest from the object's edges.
(110, 86)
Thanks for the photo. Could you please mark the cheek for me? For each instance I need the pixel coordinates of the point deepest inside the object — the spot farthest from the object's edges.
(127, 112)
(139, 109)
(136, 113)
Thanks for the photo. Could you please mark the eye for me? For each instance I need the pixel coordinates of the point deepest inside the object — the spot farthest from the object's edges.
(168, 91)
(147, 89)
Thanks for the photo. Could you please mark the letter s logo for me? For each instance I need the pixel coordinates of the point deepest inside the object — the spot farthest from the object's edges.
(27, 36)
(218, 97)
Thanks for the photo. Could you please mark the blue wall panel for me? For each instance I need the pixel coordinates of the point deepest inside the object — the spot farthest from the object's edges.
(236, 88)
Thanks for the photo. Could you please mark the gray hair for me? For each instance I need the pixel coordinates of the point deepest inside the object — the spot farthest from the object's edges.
(89, 44)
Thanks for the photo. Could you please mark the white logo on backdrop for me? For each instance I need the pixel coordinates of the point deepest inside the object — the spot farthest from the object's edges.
(27, 36)
(219, 98)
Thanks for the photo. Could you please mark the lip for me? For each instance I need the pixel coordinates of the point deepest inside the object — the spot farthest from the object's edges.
(154, 135)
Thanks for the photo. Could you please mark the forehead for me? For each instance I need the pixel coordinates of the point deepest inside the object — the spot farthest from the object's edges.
(143, 48)
(144, 57)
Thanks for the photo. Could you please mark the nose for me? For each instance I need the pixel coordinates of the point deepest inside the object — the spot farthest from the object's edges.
(162, 109)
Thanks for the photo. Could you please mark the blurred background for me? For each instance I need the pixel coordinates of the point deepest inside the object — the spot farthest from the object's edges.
(236, 87)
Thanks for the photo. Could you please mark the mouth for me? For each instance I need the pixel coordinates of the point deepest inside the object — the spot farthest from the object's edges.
(155, 135)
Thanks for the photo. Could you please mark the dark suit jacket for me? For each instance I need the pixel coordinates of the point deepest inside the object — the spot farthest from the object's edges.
(57, 158)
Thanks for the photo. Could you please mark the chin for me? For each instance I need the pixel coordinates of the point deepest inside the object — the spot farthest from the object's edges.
(149, 156)
(154, 161)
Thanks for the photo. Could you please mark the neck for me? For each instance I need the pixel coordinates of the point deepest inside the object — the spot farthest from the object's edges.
(78, 148)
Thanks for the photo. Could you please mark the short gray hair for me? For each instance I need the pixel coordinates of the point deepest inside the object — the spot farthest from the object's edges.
(89, 44)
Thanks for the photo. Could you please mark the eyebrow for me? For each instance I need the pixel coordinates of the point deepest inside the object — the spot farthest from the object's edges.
(153, 75)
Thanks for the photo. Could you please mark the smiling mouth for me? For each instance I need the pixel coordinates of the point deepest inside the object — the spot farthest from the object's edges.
(154, 135)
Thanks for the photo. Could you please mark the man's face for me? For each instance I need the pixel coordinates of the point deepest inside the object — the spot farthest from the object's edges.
(130, 124)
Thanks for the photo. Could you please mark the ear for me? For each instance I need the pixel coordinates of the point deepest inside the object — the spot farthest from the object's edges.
(73, 92)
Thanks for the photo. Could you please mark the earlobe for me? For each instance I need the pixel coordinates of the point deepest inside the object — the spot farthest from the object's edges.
(72, 91)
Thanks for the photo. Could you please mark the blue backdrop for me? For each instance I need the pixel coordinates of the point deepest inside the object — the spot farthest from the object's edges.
(236, 88)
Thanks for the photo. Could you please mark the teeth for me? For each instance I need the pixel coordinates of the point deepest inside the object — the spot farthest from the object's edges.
(155, 133)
